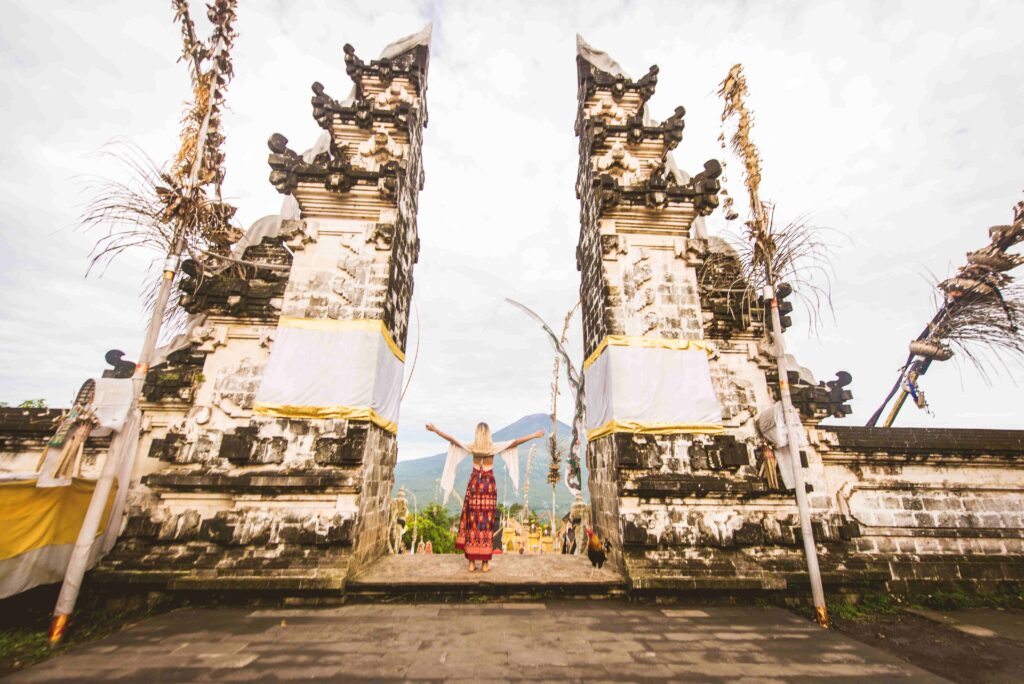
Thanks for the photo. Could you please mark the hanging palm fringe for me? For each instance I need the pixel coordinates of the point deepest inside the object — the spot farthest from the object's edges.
(573, 471)
(555, 450)
(767, 252)
(526, 482)
(979, 313)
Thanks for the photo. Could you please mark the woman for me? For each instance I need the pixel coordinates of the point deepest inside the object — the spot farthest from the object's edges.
(479, 507)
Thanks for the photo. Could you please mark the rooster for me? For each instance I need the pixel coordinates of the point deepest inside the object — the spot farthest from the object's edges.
(597, 551)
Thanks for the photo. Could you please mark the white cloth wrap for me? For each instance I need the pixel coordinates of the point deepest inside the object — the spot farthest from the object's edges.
(458, 451)
(649, 387)
(112, 401)
(771, 423)
(325, 365)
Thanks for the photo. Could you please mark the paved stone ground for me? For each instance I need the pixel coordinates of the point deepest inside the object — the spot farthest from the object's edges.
(981, 622)
(589, 641)
(510, 569)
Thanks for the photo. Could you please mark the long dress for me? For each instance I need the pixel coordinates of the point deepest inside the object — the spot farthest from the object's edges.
(479, 518)
(479, 515)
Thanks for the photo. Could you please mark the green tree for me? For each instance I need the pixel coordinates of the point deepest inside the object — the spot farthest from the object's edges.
(510, 511)
(33, 403)
(432, 524)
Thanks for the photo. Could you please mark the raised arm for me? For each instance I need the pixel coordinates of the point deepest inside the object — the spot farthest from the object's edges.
(433, 428)
(527, 438)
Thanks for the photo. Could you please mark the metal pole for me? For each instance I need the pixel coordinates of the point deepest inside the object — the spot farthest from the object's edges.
(80, 555)
(794, 432)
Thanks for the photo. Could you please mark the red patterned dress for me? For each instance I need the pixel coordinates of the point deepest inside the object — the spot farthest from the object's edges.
(479, 516)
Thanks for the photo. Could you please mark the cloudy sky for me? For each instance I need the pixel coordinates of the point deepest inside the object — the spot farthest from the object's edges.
(894, 124)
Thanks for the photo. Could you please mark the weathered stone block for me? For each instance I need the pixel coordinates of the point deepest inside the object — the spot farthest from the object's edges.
(270, 450)
(236, 446)
(140, 526)
(749, 534)
(216, 530)
(187, 526)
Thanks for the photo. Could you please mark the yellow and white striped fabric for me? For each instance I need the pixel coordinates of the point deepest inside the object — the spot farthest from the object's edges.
(325, 368)
(38, 530)
(650, 385)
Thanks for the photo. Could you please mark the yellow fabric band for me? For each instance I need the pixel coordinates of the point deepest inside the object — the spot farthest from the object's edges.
(652, 429)
(33, 517)
(369, 324)
(338, 412)
(649, 342)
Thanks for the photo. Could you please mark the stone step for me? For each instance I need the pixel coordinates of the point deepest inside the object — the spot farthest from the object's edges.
(444, 577)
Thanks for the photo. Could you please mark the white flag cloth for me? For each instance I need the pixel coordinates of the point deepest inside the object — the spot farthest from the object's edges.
(111, 402)
(458, 451)
(652, 386)
(324, 368)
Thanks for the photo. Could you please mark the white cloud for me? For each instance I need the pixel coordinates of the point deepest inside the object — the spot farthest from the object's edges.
(893, 125)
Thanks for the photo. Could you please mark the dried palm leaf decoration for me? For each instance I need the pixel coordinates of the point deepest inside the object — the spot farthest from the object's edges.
(979, 315)
(769, 253)
(176, 208)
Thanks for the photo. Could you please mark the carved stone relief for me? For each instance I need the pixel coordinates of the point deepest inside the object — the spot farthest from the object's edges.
(377, 151)
(620, 164)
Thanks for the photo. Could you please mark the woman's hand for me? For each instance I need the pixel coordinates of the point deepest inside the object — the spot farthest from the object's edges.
(431, 427)
(539, 433)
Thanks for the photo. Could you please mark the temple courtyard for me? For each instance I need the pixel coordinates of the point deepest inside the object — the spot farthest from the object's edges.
(588, 641)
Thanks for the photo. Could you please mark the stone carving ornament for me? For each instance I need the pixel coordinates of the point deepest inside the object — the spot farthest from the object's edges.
(393, 96)
(606, 109)
(378, 150)
(620, 164)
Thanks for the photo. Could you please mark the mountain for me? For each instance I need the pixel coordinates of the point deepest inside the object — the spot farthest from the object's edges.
(421, 475)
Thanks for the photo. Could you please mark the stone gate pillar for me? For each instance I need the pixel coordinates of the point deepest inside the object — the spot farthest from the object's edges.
(678, 365)
(270, 428)
(641, 310)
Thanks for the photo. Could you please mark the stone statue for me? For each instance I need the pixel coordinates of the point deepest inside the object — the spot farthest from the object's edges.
(399, 514)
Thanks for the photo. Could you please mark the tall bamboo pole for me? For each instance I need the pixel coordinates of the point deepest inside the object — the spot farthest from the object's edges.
(82, 552)
(794, 432)
(733, 90)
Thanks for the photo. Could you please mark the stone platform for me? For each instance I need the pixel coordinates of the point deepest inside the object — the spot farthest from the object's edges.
(566, 641)
(444, 576)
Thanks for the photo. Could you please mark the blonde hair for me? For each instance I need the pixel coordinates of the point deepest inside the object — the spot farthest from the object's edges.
(483, 434)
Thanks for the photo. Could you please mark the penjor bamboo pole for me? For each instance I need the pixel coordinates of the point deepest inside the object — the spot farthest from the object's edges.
(82, 552)
(733, 89)
(794, 432)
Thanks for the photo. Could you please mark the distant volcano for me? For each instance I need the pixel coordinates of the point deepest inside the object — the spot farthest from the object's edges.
(421, 475)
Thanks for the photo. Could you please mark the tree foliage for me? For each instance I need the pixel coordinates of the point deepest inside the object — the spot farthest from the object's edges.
(434, 524)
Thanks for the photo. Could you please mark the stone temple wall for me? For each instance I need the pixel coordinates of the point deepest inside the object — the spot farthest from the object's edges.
(231, 496)
(24, 433)
(929, 504)
(694, 512)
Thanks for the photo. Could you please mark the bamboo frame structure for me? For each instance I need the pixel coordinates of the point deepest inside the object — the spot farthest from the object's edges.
(979, 314)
